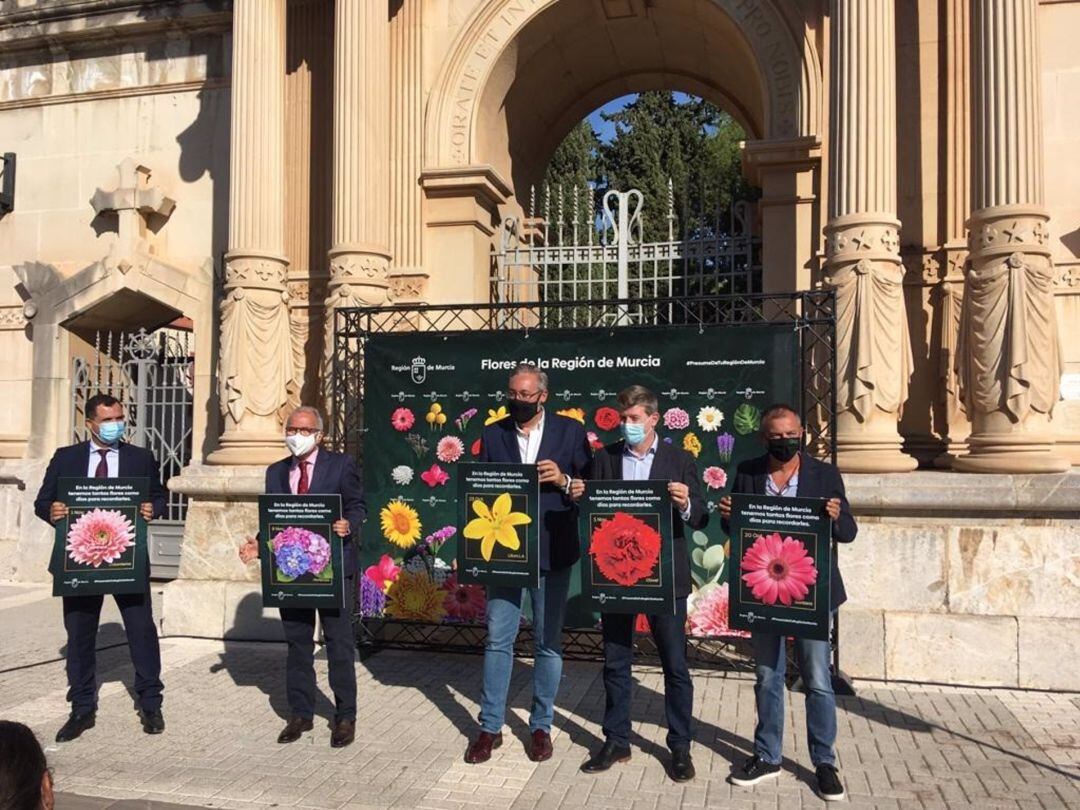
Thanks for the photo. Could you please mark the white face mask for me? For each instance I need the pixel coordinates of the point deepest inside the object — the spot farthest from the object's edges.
(300, 445)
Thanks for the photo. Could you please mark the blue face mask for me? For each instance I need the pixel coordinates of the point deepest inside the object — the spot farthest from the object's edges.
(112, 432)
(633, 433)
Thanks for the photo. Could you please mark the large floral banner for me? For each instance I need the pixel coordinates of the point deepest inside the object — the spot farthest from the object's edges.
(781, 558)
(301, 557)
(499, 520)
(427, 396)
(627, 565)
(100, 547)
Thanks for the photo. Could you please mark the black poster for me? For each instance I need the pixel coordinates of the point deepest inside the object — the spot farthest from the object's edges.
(781, 559)
(627, 563)
(498, 521)
(302, 558)
(100, 546)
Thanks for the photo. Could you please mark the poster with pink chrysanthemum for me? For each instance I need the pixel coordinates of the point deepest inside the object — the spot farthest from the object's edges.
(100, 546)
(301, 555)
(781, 558)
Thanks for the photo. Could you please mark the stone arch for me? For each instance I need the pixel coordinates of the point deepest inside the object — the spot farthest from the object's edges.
(742, 54)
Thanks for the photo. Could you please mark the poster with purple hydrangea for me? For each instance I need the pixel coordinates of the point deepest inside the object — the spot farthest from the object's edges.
(302, 559)
(100, 546)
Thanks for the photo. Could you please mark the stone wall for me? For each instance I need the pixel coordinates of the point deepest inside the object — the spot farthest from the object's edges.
(971, 579)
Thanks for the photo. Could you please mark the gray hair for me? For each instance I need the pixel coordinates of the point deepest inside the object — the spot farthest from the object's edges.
(530, 368)
(308, 409)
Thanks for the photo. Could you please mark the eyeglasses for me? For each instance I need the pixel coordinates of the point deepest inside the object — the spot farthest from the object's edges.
(525, 396)
(303, 431)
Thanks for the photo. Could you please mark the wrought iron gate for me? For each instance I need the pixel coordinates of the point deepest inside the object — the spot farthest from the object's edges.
(152, 374)
(568, 252)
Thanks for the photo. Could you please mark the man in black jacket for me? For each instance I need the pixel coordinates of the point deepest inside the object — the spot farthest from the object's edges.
(316, 470)
(786, 471)
(106, 456)
(642, 456)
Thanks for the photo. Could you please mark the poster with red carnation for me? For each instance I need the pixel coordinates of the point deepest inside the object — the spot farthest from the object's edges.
(100, 547)
(781, 556)
(498, 521)
(627, 563)
(302, 559)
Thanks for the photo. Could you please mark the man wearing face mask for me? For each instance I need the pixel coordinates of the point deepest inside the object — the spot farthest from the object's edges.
(106, 456)
(642, 456)
(316, 470)
(560, 450)
(786, 471)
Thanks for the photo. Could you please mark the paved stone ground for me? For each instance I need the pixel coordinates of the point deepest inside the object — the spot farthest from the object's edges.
(900, 746)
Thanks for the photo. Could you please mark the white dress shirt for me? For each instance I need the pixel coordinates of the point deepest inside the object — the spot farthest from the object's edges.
(112, 459)
(529, 443)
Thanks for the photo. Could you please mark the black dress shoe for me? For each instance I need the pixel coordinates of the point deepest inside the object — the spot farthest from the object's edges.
(294, 728)
(606, 757)
(682, 767)
(152, 722)
(344, 733)
(76, 725)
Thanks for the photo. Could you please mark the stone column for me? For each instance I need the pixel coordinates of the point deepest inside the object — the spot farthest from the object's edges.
(1009, 359)
(360, 256)
(256, 364)
(862, 261)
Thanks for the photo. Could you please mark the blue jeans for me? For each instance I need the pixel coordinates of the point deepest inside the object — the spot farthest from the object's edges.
(503, 620)
(770, 661)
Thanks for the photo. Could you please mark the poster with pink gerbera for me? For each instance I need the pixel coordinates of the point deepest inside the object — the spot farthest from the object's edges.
(781, 556)
(100, 545)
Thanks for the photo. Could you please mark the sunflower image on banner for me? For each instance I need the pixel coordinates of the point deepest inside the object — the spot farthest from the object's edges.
(100, 546)
(498, 522)
(781, 556)
(627, 563)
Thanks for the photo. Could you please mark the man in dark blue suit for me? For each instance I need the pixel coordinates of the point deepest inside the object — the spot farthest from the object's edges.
(642, 456)
(318, 471)
(560, 450)
(786, 471)
(106, 456)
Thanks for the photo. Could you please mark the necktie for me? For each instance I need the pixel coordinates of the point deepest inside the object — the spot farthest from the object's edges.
(302, 484)
(102, 470)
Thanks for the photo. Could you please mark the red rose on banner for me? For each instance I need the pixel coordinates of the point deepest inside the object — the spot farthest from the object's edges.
(607, 418)
(625, 548)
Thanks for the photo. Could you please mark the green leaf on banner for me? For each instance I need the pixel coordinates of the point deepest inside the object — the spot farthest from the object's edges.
(747, 419)
(700, 538)
(713, 558)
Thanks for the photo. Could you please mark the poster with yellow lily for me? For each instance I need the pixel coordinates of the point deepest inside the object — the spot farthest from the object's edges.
(497, 518)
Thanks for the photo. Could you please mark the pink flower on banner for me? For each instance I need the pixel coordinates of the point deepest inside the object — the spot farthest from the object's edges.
(449, 449)
(100, 536)
(402, 419)
(676, 419)
(709, 613)
(383, 573)
(778, 570)
(715, 477)
(435, 476)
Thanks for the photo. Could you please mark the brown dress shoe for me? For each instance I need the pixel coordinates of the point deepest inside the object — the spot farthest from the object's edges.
(480, 750)
(294, 728)
(540, 749)
(343, 734)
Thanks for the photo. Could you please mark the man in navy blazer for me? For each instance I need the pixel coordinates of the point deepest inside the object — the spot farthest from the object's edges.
(106, 456)
(640, 455)
(316, 470)
(787, 471)
(560, 450)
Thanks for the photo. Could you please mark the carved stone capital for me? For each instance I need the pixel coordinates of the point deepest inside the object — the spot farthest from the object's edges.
(358, 278)
(254, 270)
(1006, 229)
(853, 238)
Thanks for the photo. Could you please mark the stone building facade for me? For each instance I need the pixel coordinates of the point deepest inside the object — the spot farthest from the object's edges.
(246, 167)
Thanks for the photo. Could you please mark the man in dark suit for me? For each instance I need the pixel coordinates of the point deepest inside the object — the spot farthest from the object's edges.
(640, 455)
(318, 471)
(106, 456)
(786, 471)
(560, 450)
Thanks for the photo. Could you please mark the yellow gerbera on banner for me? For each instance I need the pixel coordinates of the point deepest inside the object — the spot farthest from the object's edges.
(496, 416)
(400, 524)
(495, 525)
(573, 413)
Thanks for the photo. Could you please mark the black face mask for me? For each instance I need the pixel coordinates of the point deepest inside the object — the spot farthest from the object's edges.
(522, 411)
(784, 449)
